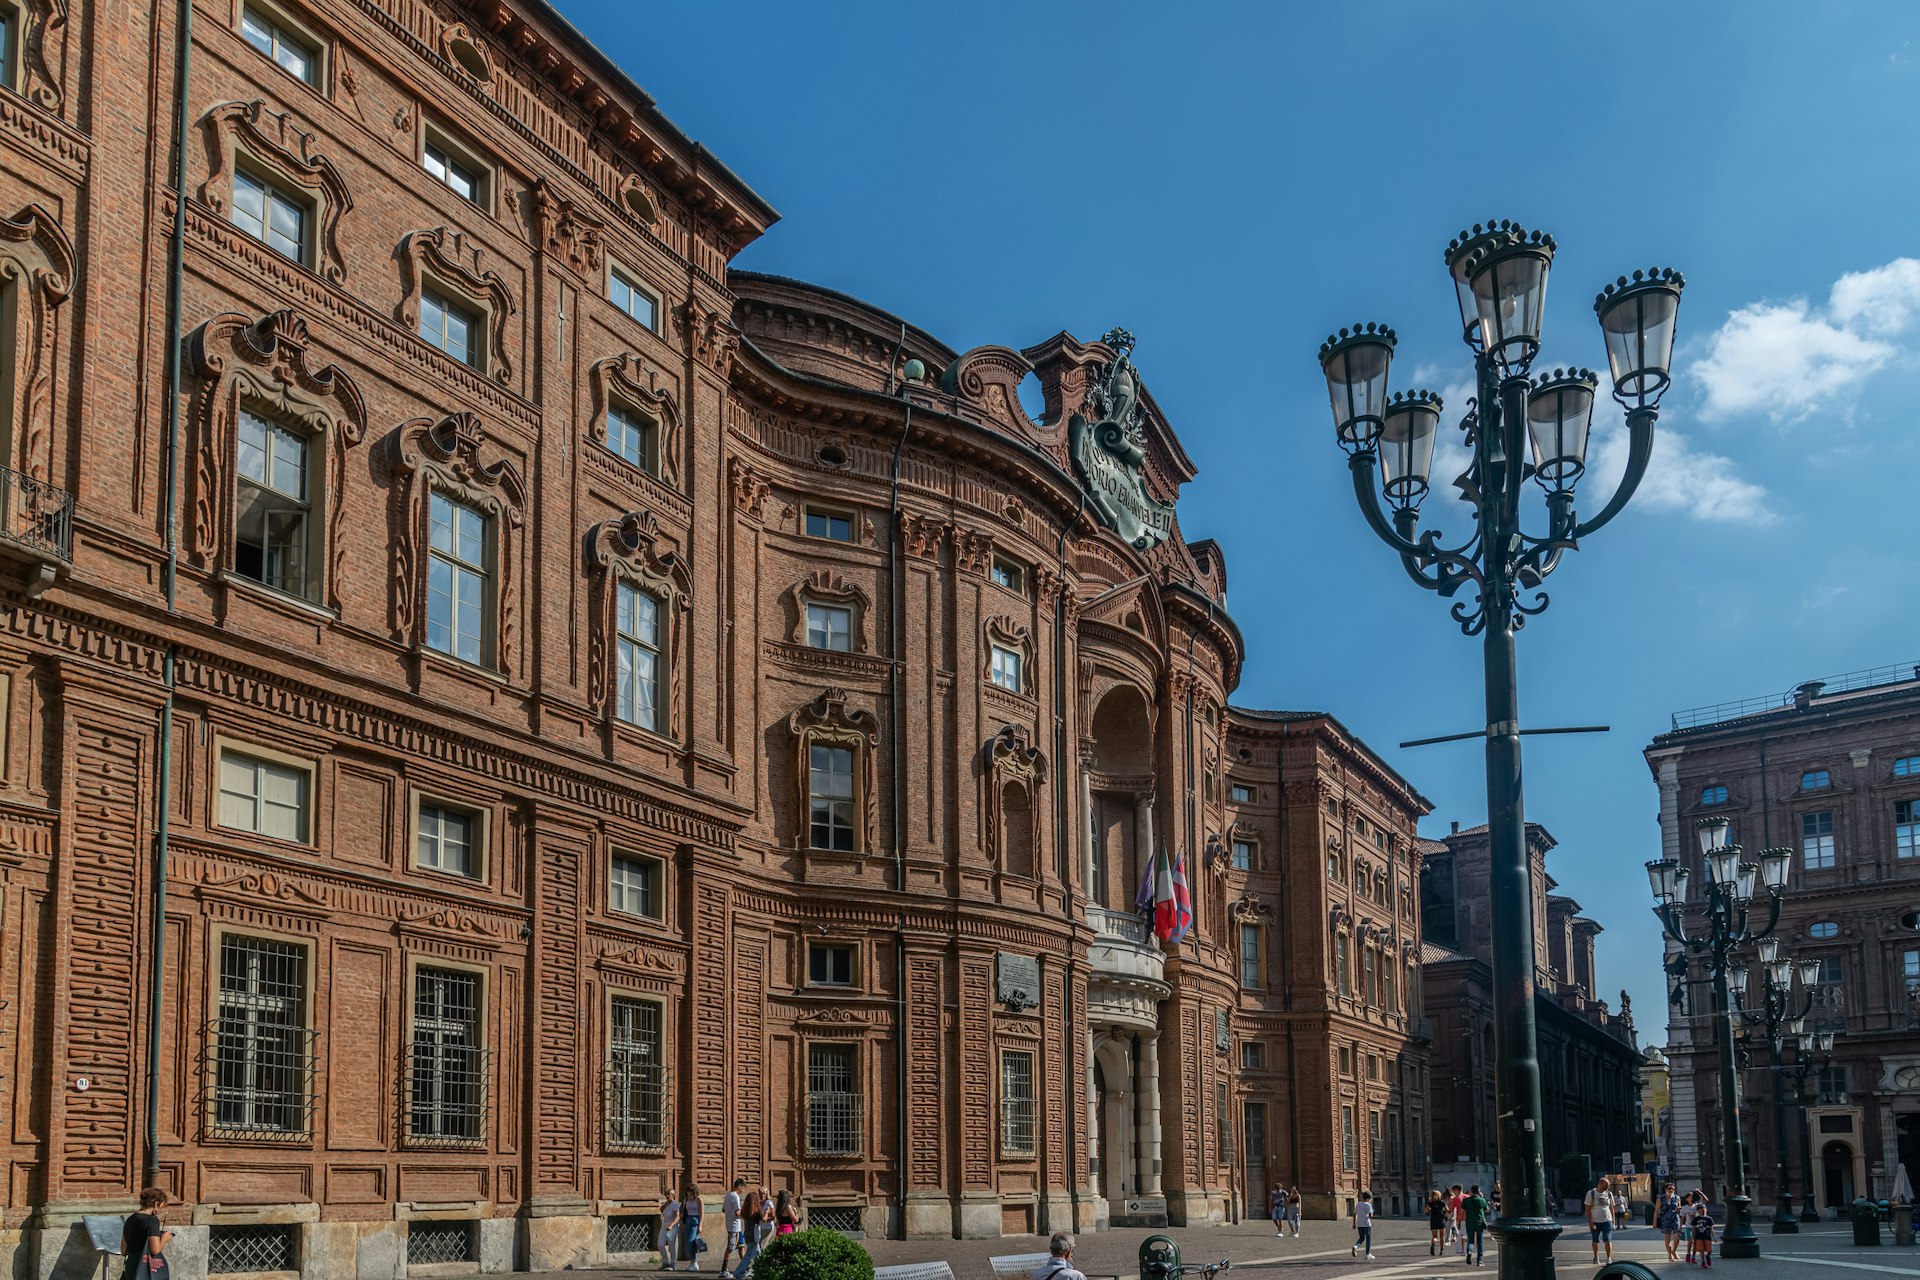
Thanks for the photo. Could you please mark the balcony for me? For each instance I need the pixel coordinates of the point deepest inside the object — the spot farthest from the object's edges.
(36, 527)
(1129, 971)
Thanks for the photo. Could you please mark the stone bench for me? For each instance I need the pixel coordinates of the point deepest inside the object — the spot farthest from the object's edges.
(914, 1271)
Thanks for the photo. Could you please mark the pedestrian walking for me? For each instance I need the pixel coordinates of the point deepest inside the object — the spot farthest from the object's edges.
(1436, 1223)
(1599, 1210)
(1059, 1263)
(1277, 1210)
(1474, 1210)
(143, 1239)
(786, 1213)
(1667, 1218)
(690, 1211)
(1457, 1218)
(1293, 1211)
(669, 1231)
(1363, 1225)
(1700, 1235)
(730, 1210)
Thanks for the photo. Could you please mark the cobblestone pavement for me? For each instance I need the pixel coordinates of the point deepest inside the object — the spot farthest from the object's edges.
(1821, 1251)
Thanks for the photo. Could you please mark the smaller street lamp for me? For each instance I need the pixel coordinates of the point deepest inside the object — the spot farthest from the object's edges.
(1784, 1025)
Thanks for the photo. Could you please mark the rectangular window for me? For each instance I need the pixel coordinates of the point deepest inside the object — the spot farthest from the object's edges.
(1346, 1060)
(454, 171)
(1713, 795)
(1333, 867)
(1240, 794)
(829, 964)
(296, 56)
(833, 1100)
(1396, 1151)
(631, 435)
(1910, 968)
(1349, 1148)
(1250, 955)
(1006, 668)
(1253, 1055)
(263, 796)
(1342, 970)
(445, 839)
(636, 1075)
(263, 1055)
(1376, 1152)
(1832, 974)
(1016, 1102)
(633, 886)
(830, 797)
(447, 1089)
(1009, 575)
(8, 39)
(269, 214)
(1833, 1086)
(1906, 828)
(830, 626)
(1242, 855)
(1907, 767)
(451, 327)
(272, 516)
(457, 579)
(1816, 841)
(633, 298)
(1389, 996)
(637, 690)
(829, 524)
(1368, 990)
(1815, 780)
(1223, 1128)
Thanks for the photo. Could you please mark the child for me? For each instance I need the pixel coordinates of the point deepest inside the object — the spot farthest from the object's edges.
(1701, 1236)
(1363, 1225)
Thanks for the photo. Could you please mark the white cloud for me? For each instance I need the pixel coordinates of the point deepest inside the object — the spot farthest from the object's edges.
(1680, 477)
(1791, 359)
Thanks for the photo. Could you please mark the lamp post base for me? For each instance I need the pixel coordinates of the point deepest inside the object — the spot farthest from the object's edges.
(1526, 1247)
(1784, 1223)
(1739, 1240)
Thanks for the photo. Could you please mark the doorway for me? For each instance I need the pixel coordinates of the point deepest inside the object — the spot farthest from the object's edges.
(1254, 1126)
(1906, 1129)
(1836, 1167)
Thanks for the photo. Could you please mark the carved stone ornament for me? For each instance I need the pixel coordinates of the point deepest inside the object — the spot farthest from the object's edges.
(1108, 443)
(263, 366)
(40, 46)
(1010, 760)
(626, 377)
(1004, 632)
(824, 586)
(452, 457)
(919, 536)
(466, 51)
(443, 253)
(274, 139)
(828, 722)
(565, 230)
(37, 257)
(750, 489)
(710, 335)
(972, 552)
(1011, 756)
(633, 196)
(631, 550)
(990, 377)
(1249, 909)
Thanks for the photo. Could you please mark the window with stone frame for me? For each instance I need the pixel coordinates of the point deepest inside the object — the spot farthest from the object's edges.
(276, 528)
(834, 750)
(833, 1101)
(1816, 841)
(451, 325)
(1907, 767)
(633, 436)
(830, 626)
(273, 214)
(636, 885)
(460, 593)
(1253, 1055)
(456, 167)
(1349, 1144)
(453, 304)
(1017, 1103)
(1252, 961)
(641, 592)
(281, 43)
(263, 1047)
(1831, 1087)
(1009, 574)
(1369, 983)
(1243, 855)
(1376, 1155)
(1342, 966)
(832, 964)
(272, 188)
(1008, 652)
(1906, 828)
(266, 795)
(448, 837)
(639, 656)
(448, 1062)
(636, 1079)
(627, 294)
(831, 799)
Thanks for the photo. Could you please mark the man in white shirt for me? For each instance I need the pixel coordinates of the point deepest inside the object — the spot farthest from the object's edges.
(1059, 1264)
(730, 1213)
(1599, 1206)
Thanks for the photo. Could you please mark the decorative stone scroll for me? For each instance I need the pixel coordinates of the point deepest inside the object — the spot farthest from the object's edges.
(1107, 439)
(565, 230)
(827, 721)
(274, 139)
(38, 48)
(264, 365)
(627, 377)
(37, 257)
(824, 586)
(632, 550)
(444, 253)
(709, 334)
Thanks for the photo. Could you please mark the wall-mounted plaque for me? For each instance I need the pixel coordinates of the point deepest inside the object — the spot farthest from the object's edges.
(1017, 981)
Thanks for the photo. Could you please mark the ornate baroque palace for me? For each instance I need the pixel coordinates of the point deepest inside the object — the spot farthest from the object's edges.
(505, 715)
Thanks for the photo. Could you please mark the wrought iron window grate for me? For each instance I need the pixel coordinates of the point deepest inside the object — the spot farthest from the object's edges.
(629, 1234)
(833, 1101)
(447, 1068)
(1016, 1102)
(251, 1247)
(263, 1059)
(636, 1083)
(441, 1242)
(844, 1218)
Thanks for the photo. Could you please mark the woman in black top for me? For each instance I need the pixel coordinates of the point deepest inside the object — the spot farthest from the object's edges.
(1436, 1222)
(143, 1233)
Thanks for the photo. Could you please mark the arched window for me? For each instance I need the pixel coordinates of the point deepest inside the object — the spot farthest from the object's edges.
(1016, 829)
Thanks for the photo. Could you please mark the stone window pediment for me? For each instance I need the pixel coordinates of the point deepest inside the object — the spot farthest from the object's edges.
(274, 141)
(441, 255)
(824, 586)
(627, 379)
(632, 550)
(1004, 632)
(828, 721)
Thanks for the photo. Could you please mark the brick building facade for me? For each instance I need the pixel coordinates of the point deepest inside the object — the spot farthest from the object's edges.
(1830, 771)
(503, 715)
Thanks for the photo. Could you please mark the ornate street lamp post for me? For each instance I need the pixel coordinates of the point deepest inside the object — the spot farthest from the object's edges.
(1779, 1023)
(1729, 897)
(1499, 272)
(1813, 1054)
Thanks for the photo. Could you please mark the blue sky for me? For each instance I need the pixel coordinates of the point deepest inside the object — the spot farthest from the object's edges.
(1232, 182)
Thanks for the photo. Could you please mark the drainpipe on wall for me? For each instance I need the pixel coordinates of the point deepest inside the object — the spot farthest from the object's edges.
(898, 715)
(176, 274)
(1063, 851)
(1286, 962)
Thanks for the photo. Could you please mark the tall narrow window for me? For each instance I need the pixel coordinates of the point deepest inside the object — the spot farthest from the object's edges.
(449, 326)
(296, 56)
(1223, 1126)
(448, 1086)
(1816, 840)
(263, 1056)
(1243, 855)
(1016, 1102)
(1375, 1155)
(457, 579)
(633, 298)
(1389, 996)
(444, 839)
(9, 30)
(267, 213)
(631, 435)
(1396, 1151)
(833, 1100)
(1349, 1148)
(1906, 828)
(273, 515)
(263, 796)
(1833, 1086)
(830, 626)
(1369, 991)
(1250, 956)
(636, 1075)
(1342, 970)
(830, 797)
(1006, 667)
(638, 641)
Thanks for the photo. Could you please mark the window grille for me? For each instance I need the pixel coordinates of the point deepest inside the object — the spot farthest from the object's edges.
(638, 680)
(236, 1250)
(263, 1057)
(833, 1100)
(1349, 1146)
(429, 1242)
(447, 1084)
(1016, 1102)
(636, 1076)
(844, 1218)
(630, 1234)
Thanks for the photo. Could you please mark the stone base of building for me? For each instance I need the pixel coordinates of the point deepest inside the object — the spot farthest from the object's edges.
(1196, 1208)
(1139, 1211)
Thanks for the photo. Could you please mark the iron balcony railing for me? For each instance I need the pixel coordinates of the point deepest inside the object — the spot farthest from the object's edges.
(36, 515)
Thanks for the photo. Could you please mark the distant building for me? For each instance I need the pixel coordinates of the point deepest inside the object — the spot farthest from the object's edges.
(1656, 1114)
(1589, 1064)
(1830, 770)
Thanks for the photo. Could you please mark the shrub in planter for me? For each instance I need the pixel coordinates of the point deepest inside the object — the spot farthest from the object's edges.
(813, 1254)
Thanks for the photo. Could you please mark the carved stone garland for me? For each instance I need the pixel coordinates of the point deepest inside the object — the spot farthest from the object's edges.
(1011, 758)
(824, 586)
(273, 139)
(442, 252)
(1010, 636)
(37, 257)
(828, 722)
(627, 377)
(565, 230)
(451, 457)
(631, 550)
(263, 365)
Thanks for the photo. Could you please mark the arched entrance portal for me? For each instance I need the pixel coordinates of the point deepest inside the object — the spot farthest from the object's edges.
(1118, 790)
(1836, 1175)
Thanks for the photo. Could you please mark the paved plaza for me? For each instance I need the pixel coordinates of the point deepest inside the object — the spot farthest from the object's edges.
(1821, 1251)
